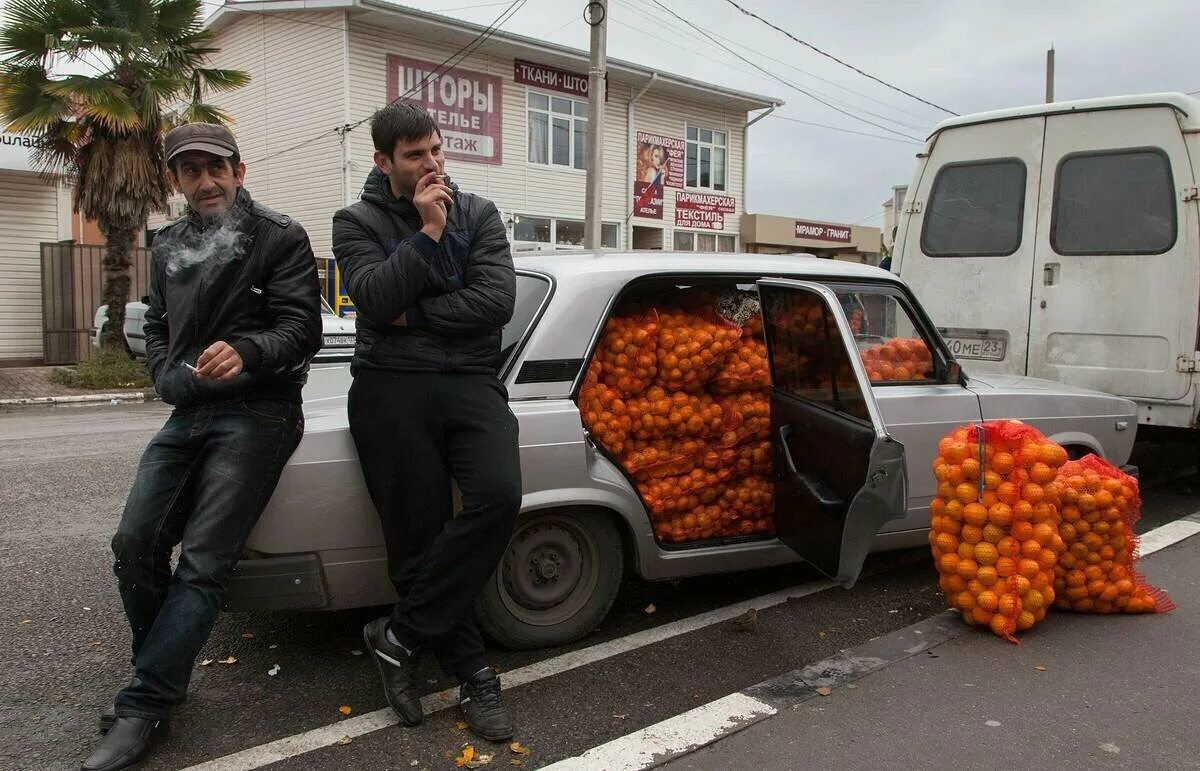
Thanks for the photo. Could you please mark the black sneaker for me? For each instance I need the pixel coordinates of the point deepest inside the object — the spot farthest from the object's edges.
(399, 670)
(479, 700)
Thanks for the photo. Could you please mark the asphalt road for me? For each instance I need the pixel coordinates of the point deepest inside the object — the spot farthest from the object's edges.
(64, 474)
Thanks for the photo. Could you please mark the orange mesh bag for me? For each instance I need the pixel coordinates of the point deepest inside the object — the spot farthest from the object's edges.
(691, 349)
(659, 414)
(627, 352)
(745, 368)
(604, 413)
(898, 359)
(747, 417)
(1100, 505)
(994, 524)
(647, 459)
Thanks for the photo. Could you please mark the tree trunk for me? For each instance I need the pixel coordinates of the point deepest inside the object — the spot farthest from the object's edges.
(116, 264)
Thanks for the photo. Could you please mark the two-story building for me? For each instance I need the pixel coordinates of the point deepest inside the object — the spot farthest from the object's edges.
(513, 113)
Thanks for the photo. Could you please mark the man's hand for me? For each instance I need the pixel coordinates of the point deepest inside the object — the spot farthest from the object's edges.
(219, 361)
(402, 321)
(432, 198)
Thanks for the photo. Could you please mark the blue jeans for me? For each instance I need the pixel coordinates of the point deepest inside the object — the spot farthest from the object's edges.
(202, 483)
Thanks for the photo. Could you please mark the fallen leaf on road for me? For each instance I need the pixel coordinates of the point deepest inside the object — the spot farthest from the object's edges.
(851, 685)
(247, 635)
(343, 741)
(514, 762)
(620, 717)
(272, 647)
(824, 691)
(821, 635)
(27, 621)
(460, 725)
(206, 662)
(479, 761)
(356, 652)
(230, 660)
(273, 671)
(1040, 669)
(517, 748)
(468, 752)
(345, 710)
(87, 608)
(650, 609)
(414, 763)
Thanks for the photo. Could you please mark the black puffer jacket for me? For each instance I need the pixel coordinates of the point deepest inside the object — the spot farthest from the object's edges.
(249, 280)
(455, 294)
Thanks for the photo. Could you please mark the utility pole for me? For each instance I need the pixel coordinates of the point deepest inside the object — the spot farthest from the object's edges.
(1050, 75)
(596, 15)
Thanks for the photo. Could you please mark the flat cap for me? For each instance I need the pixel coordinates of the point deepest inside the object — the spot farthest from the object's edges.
(205, 137)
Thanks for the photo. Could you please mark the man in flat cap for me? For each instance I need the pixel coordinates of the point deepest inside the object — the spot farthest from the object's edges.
(234, 317)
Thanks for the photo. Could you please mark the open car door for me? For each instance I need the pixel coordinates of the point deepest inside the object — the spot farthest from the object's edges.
(839, 476)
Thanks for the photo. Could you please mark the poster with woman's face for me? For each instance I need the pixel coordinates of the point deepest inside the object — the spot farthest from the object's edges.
(660, 160)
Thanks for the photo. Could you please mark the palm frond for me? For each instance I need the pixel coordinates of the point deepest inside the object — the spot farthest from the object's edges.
(219, 81)
(198, 112)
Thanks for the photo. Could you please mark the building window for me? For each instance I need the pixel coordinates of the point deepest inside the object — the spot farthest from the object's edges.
(706, 158)
(687, 241)
(561, 232)
(975, 210)
(557, 131)
(1116, 202)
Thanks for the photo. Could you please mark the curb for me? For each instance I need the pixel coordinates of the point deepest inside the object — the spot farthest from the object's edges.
(123, 396)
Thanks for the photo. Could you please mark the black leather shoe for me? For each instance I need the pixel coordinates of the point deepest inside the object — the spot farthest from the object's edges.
(399, 670)
(129, 740)
(107, 717)
(479, 700)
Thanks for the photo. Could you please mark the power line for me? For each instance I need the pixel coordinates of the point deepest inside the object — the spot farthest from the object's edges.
(843, 130)
(839, 61)
(785, 82)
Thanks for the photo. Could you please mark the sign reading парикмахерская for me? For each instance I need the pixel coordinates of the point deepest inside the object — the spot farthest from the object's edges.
(465, 104)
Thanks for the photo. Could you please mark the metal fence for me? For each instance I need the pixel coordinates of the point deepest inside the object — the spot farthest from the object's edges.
(72, 287)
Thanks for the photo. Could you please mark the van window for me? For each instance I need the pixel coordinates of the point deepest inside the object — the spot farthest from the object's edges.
(1118, 202)
(975, 209)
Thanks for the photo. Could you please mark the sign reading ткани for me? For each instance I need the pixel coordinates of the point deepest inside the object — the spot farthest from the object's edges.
(819, 231)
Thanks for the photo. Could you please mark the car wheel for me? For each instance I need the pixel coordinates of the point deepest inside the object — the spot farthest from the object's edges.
(556, 581)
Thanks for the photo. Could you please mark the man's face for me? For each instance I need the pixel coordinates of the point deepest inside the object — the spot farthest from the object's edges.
(410, 161)
(208, 182)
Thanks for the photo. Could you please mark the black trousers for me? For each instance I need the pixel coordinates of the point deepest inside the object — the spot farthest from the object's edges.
(414, 432)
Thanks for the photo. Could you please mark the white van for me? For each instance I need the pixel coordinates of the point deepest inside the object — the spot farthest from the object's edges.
(1062, 241)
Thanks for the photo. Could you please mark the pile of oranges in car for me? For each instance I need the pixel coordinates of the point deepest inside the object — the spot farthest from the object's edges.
(680, 396)
(899, 359)
(1095, 574)
(994, 524)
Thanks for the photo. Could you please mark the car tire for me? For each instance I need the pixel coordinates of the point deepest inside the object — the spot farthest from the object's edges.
(556, 581)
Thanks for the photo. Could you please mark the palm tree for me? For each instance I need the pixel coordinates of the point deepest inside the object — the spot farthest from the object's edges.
(147, 72)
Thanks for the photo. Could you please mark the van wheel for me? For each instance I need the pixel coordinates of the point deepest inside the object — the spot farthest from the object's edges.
(556, 581)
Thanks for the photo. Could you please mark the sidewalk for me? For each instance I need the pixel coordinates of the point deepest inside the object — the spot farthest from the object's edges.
(1080, 691)
(32, 385)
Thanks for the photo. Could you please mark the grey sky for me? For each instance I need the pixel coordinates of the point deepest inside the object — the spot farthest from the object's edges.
(966, 55)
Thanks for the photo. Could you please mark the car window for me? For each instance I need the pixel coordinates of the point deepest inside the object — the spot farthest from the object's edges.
(531, 291)
(975, 209)
(1119, 202)
(892, 347)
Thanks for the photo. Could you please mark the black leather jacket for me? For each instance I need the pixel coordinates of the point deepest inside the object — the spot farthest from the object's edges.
(249, 280)
(455, 294)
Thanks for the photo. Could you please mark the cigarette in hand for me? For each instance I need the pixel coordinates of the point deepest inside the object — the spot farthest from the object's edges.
(189, 366)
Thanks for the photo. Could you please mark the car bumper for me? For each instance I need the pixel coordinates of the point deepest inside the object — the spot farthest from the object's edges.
(293, 582)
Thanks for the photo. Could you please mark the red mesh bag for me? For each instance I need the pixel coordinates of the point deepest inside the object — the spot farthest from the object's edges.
(898, 359)
(691, 349)
(1100, 505)
(747, 417)
(660, 414)
(994, 524)
(603, 412)
(745, 368)
(627, 352)
(647, 459)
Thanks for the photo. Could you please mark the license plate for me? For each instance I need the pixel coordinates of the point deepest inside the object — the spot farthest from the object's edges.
(984, 347)
(338, 340)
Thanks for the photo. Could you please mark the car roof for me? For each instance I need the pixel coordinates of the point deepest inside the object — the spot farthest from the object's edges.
(1185, 106)
(621, 266)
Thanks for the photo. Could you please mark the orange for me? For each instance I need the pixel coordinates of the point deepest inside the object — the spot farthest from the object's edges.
(987, 575)
(1022, 531)
(988, 600)
(1033, 493)
(1009, 605)
(1028, 455)
(1048, 559)
(1076, 578)
(1030, 549)
(1043, 533)
(1008, 493)
(1002, 625)
(966, 492)
(948, 564)
(1028, 568)
(937, 507)
(952, 584)
(1021, 584)
(975, 514)
(967, 568)
(970, 469)
(1052, 454)
(1069, 513)
(1006, 566)
(966, 551)
(954, 451)
(1087, 502)
(1008, 546)
(1002, 463)
(964, 601)
(1022, 511)
(992, 534)
(986, 554)
(945, 542)
(1041, 473)
(1000, 515)
(1067, 531)
(974, 587)
(992, 480)
(1104, 499)
(981, 616)
(1025, 620)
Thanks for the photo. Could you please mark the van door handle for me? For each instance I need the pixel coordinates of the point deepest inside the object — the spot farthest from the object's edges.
(1050, 273)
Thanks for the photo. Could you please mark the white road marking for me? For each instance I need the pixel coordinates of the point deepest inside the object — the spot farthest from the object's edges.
(1168, 534)
(298, 744)
(674, 736)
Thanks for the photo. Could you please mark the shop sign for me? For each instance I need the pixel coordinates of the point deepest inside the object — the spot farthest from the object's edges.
(466, 105)
(821, 231)
(703, 211)
(660, 157)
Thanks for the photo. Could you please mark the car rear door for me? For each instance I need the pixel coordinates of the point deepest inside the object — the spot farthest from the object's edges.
(839, 475)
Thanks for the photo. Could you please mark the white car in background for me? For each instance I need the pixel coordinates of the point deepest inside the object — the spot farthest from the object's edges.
(337, 332)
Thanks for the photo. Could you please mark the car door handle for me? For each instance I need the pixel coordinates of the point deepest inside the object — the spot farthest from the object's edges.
(827, 500)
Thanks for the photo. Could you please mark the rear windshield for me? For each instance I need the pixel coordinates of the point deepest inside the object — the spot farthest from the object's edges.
(531, 291)
(975, 209)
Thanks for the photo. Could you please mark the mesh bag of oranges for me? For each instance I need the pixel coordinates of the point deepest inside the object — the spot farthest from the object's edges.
(745, 368)
(603, 411)
(1100, 505)
(994, 528)
(627, 352)
(691, 348)
(898, 359)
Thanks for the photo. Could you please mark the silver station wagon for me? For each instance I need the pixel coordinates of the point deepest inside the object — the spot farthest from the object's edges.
(853, 386)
